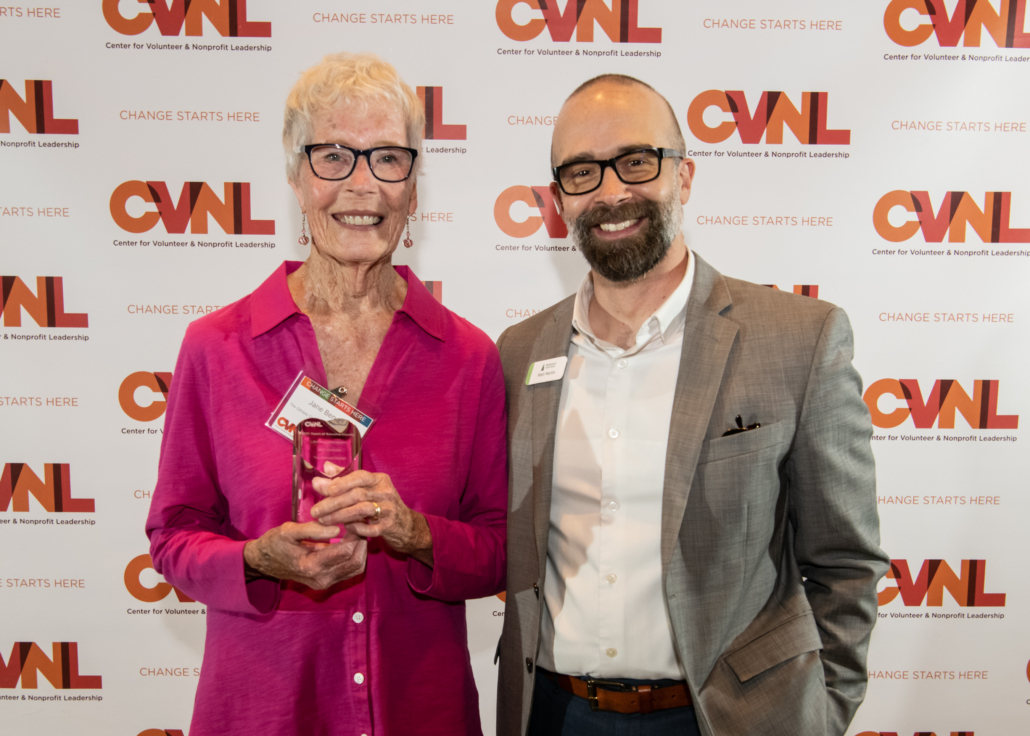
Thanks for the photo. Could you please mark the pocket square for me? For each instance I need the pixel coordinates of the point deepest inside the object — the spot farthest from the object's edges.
(740, 427)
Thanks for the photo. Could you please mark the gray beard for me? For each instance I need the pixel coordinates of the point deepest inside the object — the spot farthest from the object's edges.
(632, 257)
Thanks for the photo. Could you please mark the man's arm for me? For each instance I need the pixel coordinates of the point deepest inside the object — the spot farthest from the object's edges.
(833, 512)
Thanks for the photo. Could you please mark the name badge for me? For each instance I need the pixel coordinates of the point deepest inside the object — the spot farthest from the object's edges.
(305, 399)
(543, 371)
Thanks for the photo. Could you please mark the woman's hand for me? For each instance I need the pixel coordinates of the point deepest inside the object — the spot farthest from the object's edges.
(282, 553)
(351, 501)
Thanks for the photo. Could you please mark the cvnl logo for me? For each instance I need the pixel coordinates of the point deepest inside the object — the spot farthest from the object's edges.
(956, 210)
(536, 198)
(773, 111)
(435, 288)
(139, 591)
(969, 19)
(27, 662)
(436, 129)
(158, 383)
(618, 20)
(946, 399)
(811, 290)
(227, 17)
(35, 111)
(53, 492)
(965, 587)
(45, 306)
(197, 200)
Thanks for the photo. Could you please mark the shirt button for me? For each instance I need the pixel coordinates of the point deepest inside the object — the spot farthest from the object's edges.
(622, 363)
(612, 652)
(359, 678)
(611, 578)
(358, 617)
(613, 433)
(613, 505)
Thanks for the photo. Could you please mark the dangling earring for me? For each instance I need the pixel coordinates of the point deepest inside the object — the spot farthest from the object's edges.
(407, 238)
(303, 239)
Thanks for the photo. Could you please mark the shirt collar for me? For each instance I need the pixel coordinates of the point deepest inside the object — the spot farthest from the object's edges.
(421, 306)
(672, 315)
(272, 303)
(668, 318)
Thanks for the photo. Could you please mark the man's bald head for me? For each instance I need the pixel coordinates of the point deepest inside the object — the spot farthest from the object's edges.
(623, 80)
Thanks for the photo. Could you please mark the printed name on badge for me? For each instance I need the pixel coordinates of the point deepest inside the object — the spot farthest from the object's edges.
(543, 371)
(305, 399)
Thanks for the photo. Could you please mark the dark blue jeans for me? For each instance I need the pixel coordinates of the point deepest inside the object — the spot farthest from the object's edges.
(558, 713)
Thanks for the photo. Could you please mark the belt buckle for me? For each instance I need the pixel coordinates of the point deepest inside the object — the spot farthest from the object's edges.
(592, 690)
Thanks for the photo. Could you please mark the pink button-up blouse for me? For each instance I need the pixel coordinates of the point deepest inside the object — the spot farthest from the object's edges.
(382, 653)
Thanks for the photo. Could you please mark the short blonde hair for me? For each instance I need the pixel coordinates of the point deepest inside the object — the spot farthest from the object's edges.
(341, 80)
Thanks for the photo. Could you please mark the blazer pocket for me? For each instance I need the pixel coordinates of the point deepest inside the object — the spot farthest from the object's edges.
(797, 636)
(743, 443)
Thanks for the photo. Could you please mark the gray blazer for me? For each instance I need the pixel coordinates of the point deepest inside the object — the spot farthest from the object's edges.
(770, 537)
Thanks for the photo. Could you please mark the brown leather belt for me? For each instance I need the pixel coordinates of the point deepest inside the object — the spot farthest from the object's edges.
(615, 696)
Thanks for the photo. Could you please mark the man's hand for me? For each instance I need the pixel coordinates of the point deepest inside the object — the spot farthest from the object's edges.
(301, 552)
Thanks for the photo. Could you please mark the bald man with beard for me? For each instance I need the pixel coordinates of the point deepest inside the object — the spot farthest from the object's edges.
(693, 542)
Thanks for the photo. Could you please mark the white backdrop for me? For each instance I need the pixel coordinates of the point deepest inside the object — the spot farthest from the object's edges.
(810, 189)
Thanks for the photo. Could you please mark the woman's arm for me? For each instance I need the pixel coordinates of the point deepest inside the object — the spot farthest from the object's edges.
(192, 542)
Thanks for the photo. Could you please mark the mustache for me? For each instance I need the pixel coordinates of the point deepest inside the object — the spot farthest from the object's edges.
(602, 213)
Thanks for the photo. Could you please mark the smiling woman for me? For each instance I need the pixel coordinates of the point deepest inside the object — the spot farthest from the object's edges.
(422, 526)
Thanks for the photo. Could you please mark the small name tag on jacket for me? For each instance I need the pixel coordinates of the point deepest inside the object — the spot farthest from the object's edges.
(543, 371)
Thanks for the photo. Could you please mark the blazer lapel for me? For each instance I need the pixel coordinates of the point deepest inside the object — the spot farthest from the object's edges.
(553, 341)
(707, 339)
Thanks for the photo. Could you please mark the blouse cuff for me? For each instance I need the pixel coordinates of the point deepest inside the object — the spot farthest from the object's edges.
(224, 562)
(422, 578)
(465, 563)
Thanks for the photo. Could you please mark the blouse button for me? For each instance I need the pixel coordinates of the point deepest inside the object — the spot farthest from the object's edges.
(358, 617)
(359, 678)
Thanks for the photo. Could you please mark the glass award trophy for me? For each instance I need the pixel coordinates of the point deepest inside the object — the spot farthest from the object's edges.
(321, 450)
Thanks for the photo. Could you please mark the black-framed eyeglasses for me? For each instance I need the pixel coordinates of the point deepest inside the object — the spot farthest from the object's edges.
(334, 162)
(633, 167)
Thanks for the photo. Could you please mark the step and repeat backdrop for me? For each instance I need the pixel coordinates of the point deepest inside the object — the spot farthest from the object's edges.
(872, 154)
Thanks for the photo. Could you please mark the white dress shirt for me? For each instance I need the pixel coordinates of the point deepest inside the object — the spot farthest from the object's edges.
(604, 606)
